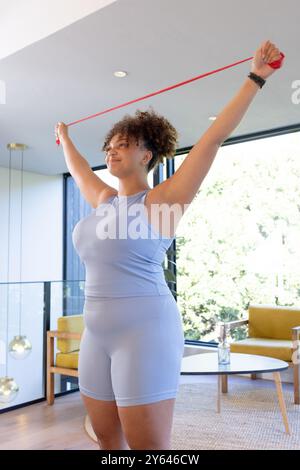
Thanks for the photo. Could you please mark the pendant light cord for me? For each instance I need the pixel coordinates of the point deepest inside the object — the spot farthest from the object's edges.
(8, 256)
(21, 241)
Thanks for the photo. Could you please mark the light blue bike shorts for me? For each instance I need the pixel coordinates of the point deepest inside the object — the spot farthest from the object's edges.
(131, 349)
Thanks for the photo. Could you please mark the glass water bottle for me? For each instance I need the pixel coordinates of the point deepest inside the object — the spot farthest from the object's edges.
(223, 346)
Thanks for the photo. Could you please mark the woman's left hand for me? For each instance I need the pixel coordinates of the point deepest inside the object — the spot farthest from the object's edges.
(266, 54)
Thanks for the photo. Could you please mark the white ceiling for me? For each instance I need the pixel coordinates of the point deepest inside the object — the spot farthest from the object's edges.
(23, 22)
(69, 74)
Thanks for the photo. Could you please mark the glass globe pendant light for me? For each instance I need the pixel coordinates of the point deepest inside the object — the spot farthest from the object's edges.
(20, 347)
(8, 389)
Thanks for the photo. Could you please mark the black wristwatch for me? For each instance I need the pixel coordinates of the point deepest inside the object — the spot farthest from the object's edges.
(257, 79)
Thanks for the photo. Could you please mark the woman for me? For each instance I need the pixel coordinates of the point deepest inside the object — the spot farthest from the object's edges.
(132, 346)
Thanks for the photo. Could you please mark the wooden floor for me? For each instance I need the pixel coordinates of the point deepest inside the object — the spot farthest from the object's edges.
(43, 427)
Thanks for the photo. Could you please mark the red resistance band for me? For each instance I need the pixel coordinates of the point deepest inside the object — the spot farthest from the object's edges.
(275, 65)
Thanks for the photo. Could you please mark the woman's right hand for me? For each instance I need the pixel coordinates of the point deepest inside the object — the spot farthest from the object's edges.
(61, 131)
(265, 55)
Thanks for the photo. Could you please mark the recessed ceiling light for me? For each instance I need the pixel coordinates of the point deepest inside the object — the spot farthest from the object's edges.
(212, 118)
(120, 74)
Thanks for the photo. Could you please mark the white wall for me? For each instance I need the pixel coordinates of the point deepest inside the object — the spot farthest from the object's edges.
(42, 226)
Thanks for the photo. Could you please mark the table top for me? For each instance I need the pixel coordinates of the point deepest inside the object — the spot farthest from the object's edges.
(207, 364)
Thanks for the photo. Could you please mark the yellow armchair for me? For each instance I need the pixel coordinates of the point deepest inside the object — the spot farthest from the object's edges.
(68, 334)
(273, 332)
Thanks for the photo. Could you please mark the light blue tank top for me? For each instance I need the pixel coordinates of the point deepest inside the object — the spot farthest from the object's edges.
(126, 261)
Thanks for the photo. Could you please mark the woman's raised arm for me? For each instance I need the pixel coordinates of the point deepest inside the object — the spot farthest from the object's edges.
(92, 188)
(183, 185)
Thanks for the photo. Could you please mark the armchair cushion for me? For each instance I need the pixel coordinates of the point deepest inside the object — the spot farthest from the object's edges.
(70, 324)
(279, 349)
(67, 360)
(273, 322)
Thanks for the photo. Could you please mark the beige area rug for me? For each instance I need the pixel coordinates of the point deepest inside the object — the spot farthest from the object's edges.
(250, 417)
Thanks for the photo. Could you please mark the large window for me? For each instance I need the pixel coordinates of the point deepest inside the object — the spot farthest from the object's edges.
(238, 242)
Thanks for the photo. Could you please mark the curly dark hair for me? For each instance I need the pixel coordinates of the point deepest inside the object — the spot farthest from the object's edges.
(157, 133)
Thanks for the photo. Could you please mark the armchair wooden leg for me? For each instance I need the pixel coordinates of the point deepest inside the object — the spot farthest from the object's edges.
(296, 384)
(224, 383)
(50, 375)
(50, 388)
